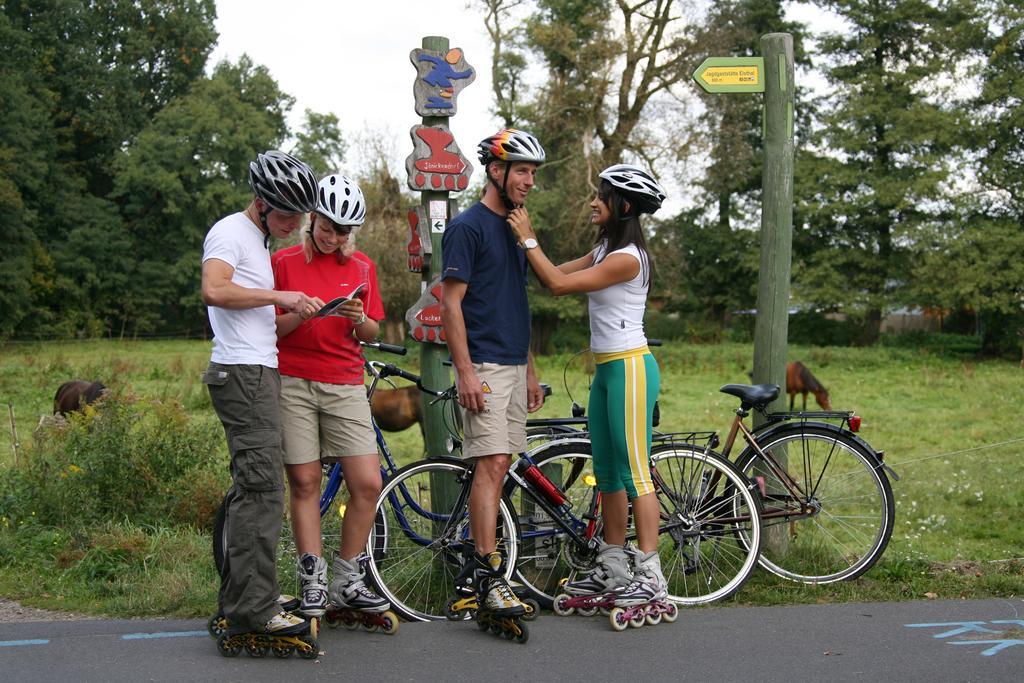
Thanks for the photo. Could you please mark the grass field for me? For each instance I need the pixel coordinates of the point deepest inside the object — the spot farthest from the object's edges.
(948, 426)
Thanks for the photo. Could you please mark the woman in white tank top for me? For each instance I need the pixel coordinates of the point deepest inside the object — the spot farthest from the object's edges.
(616, 277)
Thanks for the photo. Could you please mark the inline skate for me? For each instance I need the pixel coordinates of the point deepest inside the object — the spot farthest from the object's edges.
(352, 604)
(465, 603)
(218, 623)
(283, 635)
(598, 589)
(312, 571)
(499, 610)
(643, 600)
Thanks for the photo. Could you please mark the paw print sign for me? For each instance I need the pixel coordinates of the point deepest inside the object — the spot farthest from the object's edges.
(436, 162)
(440, 76)
(424, 318)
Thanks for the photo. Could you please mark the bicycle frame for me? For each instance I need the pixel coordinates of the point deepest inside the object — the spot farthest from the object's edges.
(797, 504)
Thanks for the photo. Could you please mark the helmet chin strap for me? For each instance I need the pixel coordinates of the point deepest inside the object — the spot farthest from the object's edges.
(503, 188)
(312, 239)
(266, 228)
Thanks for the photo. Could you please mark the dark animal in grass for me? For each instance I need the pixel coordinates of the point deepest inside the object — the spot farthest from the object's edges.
(799, 380)
(77, 394)
(396, 410)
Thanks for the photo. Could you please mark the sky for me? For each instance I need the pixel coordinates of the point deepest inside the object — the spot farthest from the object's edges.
(351, 58)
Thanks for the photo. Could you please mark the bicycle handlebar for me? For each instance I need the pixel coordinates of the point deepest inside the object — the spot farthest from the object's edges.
(389, 348)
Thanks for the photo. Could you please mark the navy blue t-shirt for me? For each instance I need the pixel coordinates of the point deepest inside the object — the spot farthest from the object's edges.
(479, 248)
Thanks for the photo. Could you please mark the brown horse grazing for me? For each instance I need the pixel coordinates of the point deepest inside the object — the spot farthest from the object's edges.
(799, 380)
(77, 394)
(397, 409)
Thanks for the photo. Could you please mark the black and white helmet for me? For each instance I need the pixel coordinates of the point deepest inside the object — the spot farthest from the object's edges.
(341, 200)
(510, 144)
(283, 182)
(637, 184)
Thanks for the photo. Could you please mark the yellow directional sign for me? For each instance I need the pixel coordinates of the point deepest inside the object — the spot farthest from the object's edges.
(731, 74)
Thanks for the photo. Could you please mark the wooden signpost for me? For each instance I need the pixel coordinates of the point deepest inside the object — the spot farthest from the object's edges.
(435, 168)
(772, 74)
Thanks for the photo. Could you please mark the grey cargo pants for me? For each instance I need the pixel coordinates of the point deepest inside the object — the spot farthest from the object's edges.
(246, 400)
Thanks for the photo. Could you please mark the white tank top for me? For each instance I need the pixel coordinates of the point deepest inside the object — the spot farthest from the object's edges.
(617, 312)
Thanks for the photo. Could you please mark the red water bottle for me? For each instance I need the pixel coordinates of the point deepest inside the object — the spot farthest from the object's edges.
(554, 496)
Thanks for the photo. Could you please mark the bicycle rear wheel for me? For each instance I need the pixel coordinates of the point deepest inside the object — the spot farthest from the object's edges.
(710, 531)
(547, 553)
(838, 523)
(424, 507)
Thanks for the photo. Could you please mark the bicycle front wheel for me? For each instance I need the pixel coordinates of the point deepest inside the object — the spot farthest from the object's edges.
(710, 530)
(425, 510)
(833, 516)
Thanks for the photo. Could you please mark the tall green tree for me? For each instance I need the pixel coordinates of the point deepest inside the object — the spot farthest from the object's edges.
(186, 170)
(714, 248)
(888, 131)
(974, 261)
(111, 65)
(26, 148)
(319, 143)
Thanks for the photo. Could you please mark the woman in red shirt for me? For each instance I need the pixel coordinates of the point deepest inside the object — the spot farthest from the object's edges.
(324, 411)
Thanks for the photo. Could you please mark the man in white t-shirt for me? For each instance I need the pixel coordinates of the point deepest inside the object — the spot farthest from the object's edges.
(238, 288)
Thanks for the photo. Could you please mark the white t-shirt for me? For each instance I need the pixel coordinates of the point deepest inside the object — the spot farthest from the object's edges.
(246, 336)
(617, 312)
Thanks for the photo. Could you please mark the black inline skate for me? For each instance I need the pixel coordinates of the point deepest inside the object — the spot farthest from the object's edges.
(465, 604)
(352, 604)
(283, 636)
(218, 623)
(490, 600)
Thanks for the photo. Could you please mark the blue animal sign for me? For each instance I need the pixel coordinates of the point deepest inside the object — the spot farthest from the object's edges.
(440, 76)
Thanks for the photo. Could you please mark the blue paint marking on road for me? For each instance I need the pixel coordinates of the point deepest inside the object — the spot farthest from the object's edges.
(15, 643)
(164, 634)
(997, 645)
(963, 627)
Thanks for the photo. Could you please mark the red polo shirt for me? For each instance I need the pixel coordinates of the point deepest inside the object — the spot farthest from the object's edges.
(324, 349)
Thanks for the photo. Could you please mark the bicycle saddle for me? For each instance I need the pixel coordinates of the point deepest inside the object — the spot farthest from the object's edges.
(752, 395)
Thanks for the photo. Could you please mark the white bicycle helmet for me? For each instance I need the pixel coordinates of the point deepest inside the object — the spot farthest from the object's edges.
(341, 200)
(637, 184)
(510, 144)
(283, 182)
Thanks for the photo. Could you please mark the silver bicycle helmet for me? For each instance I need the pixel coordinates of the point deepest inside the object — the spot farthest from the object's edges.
(637, 184)
(283, 182)
(341, 200)
(510, 144)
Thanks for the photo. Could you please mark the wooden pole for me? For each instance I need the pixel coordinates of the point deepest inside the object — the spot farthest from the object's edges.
(435, 374)
(772, 325)
(14, 434)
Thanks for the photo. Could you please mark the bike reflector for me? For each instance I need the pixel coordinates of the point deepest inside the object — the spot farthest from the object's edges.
(855, 423)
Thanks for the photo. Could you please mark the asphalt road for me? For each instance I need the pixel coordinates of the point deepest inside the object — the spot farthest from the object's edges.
(970, 640)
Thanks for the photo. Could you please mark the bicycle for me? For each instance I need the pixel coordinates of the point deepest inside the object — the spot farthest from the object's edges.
(709, 510)
(835, 498)
(828, 506)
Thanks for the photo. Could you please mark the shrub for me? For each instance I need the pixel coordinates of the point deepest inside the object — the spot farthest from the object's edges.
(128, 459)
(937, 343)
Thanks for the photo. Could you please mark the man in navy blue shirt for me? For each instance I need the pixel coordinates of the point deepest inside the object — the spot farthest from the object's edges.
(486, 319)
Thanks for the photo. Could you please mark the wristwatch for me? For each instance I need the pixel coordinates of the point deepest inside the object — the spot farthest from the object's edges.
(530, 243)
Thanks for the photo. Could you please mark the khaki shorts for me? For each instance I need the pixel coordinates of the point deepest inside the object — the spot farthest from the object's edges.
(501, 427)
(321, 421)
